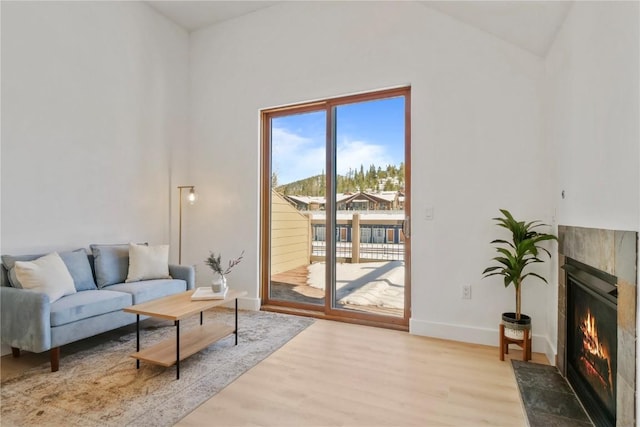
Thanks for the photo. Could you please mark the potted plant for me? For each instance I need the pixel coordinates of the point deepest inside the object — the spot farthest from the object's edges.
(215, 262)
(514, 260)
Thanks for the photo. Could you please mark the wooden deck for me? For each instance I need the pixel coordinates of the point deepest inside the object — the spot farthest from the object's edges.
(297, 277)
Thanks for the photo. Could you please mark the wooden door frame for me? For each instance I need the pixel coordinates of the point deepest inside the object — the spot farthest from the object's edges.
(327, 311)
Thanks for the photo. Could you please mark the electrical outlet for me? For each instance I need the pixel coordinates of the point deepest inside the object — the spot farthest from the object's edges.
(466, 291)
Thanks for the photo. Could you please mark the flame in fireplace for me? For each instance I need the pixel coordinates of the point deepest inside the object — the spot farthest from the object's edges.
(591, 343)
(595, 354)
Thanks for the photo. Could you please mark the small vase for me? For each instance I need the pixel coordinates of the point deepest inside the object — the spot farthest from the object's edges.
(219, 284)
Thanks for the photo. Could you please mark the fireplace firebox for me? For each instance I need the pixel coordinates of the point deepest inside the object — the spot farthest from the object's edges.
(592, 339)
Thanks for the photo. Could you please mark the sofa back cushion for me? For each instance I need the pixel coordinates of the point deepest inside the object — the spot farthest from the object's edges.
(4, 276)
(148, 262)
(48, 275)
(111, 263)
(77, 262)
(9, 262)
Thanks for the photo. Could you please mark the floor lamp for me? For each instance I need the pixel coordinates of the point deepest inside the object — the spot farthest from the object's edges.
(192, 199)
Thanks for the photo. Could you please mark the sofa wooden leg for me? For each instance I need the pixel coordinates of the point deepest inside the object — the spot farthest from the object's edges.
(55, 359)
(15, 352)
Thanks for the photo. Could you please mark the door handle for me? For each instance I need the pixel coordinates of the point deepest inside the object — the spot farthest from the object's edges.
(406, 226)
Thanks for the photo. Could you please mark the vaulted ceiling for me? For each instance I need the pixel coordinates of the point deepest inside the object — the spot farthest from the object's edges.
(531, 25)
(193, 15)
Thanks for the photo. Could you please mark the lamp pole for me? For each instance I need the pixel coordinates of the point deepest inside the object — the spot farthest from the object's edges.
(192, 199)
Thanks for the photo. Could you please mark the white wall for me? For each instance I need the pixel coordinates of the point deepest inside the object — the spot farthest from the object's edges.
(476, 132)
(592, 117)
(94, 94)
(592, 121)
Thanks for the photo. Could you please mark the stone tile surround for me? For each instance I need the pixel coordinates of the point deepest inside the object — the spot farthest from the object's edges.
(615, 252)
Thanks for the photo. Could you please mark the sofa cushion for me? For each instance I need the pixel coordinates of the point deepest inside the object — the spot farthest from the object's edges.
(13, 280)
(78, 265)
(48, 275)
(83, 305)
(76, 261)
(111, 263)
(9, 262)
(150, 289)
(148, 262)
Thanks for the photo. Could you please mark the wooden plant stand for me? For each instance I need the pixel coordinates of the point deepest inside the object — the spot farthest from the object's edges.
(524, 343)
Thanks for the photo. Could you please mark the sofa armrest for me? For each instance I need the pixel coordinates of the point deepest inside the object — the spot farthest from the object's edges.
(26, 319)
(184, 272)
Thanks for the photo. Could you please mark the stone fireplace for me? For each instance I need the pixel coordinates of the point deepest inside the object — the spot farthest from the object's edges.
(597, 320)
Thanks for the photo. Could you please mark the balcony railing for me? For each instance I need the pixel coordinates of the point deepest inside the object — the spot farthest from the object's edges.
(368, 251)
(380, 235)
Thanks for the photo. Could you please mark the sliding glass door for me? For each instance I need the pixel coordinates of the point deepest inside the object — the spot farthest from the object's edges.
(369, 207)
(335, 203)
(296, 195)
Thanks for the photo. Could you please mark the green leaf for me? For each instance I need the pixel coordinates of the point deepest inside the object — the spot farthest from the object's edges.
(494, 274)
(507, 281)
(505, 252)
(535, 275)
(504, 261)
(488, 269)
(504, 242)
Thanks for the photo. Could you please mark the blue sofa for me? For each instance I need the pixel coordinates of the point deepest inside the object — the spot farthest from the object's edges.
(29, 321)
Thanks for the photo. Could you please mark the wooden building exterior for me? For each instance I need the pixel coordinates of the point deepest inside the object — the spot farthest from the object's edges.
(290, 236)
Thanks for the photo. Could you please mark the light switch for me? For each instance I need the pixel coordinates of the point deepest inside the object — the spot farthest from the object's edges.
(428, 214)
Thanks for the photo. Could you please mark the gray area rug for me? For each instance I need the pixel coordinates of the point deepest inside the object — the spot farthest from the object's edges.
(547, 398)
(98, 384)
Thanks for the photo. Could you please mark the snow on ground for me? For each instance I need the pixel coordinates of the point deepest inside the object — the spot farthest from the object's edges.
(379, 284)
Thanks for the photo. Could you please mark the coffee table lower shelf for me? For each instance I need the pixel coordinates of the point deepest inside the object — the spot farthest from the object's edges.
(191, 342)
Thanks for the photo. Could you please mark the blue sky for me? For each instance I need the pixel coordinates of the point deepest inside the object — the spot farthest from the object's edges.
(367, 133)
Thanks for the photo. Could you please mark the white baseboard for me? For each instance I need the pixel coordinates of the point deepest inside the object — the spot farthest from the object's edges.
(252, 304)
(474, 335)
(551, 351)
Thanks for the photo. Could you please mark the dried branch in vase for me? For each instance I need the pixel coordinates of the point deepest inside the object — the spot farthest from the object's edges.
(215, 262)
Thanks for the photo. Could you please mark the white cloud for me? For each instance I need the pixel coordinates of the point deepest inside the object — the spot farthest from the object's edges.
(294, 156)
(352, 154)
(297, 157)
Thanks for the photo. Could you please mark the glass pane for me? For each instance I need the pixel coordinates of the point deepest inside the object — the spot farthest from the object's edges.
(370, 207)
(298, 231)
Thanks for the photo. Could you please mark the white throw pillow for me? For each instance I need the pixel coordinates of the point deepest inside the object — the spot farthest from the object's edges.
(48, 275)
(148, 262)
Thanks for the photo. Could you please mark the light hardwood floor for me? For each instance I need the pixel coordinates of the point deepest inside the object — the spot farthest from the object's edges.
(339, 374)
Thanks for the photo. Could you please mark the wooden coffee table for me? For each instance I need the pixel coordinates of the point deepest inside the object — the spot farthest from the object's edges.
(177, 307)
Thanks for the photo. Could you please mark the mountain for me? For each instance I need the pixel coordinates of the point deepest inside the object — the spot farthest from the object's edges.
(373, 179)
